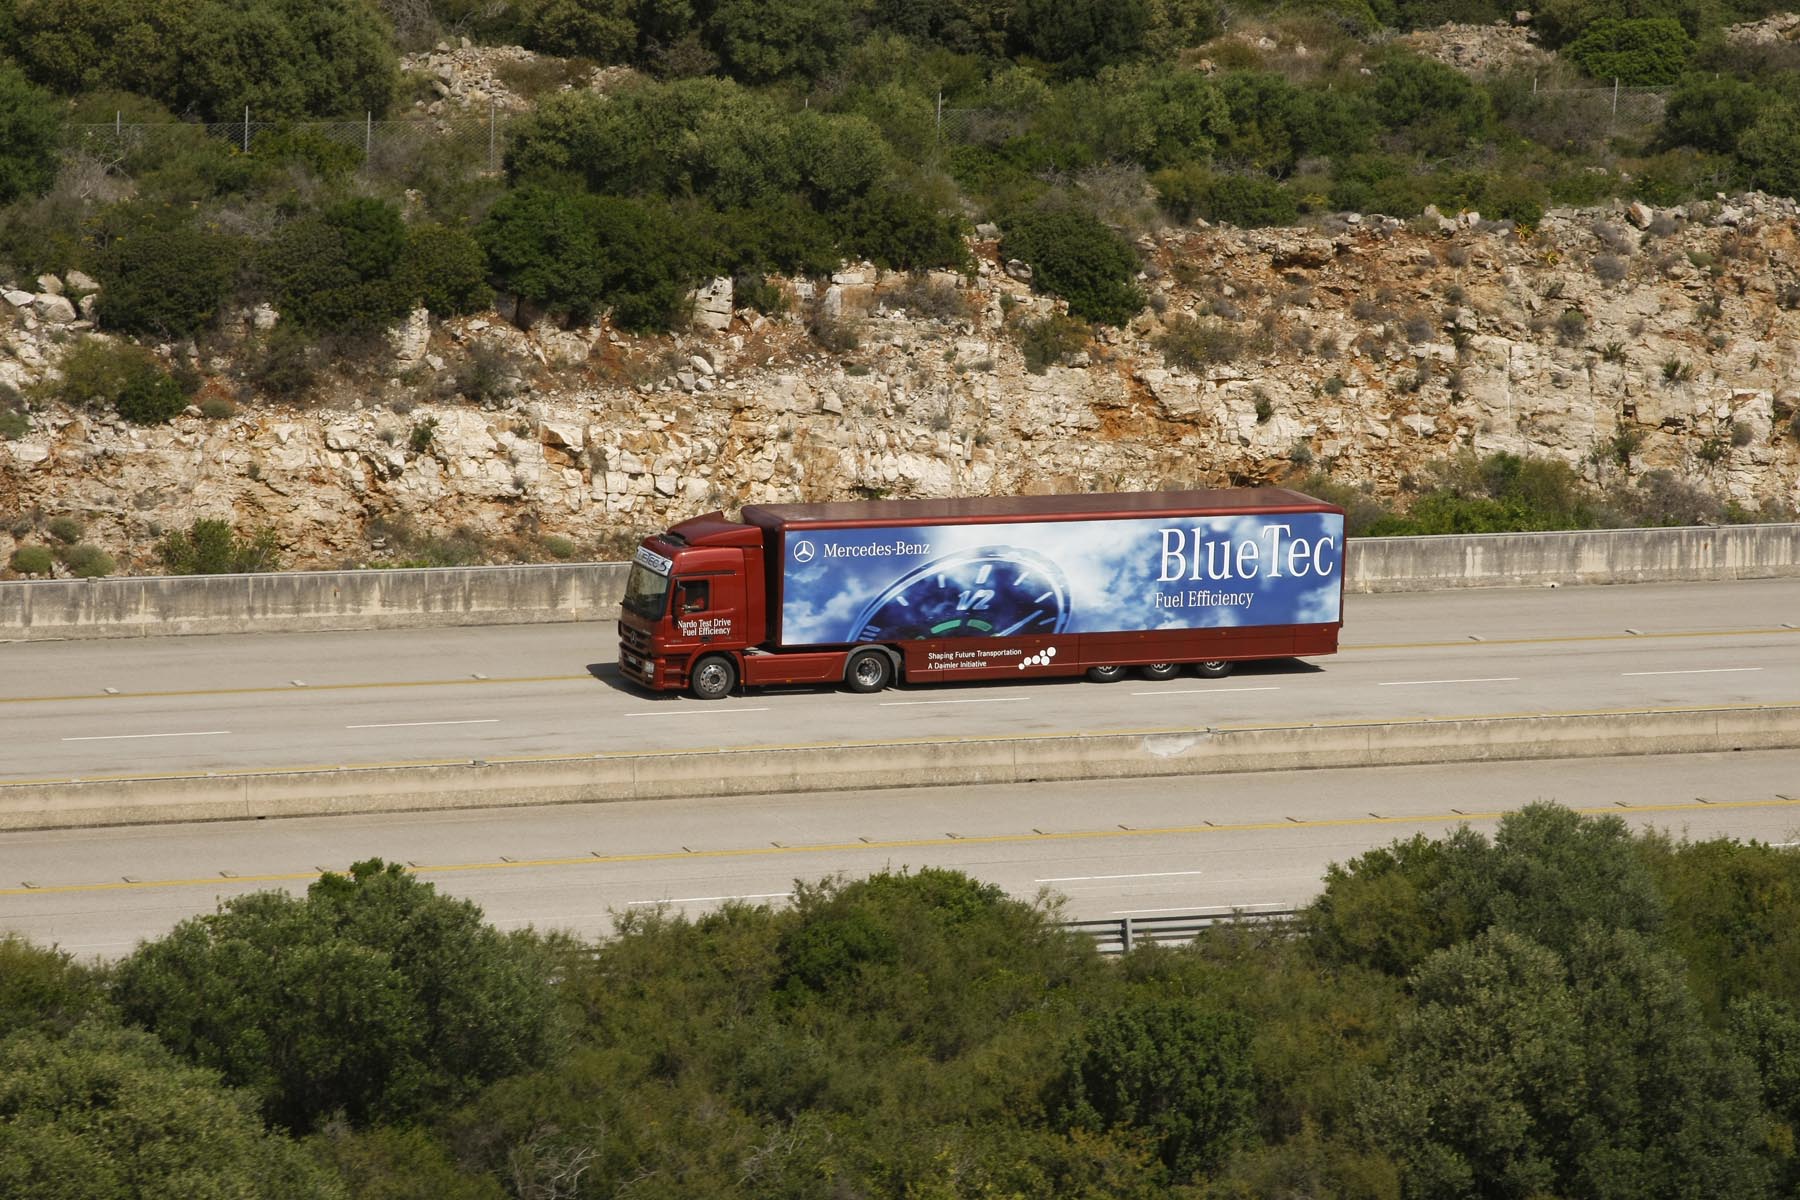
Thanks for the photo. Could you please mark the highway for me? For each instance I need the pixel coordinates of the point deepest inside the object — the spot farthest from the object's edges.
(1110, 847)
(98, 709)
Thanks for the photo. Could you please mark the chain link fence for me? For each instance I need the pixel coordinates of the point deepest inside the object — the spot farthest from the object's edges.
(475, 144)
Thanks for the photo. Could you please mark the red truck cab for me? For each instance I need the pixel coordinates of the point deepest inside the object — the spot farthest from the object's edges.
(693, 593)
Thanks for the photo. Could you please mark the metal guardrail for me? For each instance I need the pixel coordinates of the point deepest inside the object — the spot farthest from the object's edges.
(1120, 935)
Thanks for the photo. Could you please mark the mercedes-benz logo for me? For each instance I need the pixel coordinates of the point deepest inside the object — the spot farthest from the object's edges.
(803, 552)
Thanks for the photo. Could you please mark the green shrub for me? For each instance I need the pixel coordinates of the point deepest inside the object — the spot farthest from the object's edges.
(1649, 52)
(1711, 114)
(328, 158)
(160, 271)
(151, 398)
(65, 529)
(1074, 256)
(1051, 341)
(577, 253)
(1192, 345)
(759, 41)
(285, 364)
(444, 270)
(1245, 200)
(281, 58)
(13, 424)
(372, 996)
(117, 375)
(88, 562)
(898, 228)
(338, 270)
(1081, 36)
(601, 30)
(28, 135)
(32, 560)
(1770, 150)
(212, 547)
(788, 237)
(1441, 111)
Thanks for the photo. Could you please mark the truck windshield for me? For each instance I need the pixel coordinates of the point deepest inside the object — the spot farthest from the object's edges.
(646, 592)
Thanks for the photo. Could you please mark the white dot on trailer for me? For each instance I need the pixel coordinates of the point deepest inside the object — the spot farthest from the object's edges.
(1050, 653)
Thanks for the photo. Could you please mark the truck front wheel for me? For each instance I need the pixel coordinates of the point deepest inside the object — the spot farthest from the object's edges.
(1218, 668)
(868, 671)
(713, 678)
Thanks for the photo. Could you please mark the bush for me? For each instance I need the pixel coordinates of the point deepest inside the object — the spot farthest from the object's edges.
(1711, 114)
(897, 228)
(338, 270)
(285, 364)
(1080, 36)
(1441, 110)
(160, 271)
(1193, 345)
(151, 398)
(1074, 256)
(65, 529)
(117, 375)
(107, 1112)
(1051, 341)
(1169, 1069)
(1649, 52)
(28, 134)
(212, 547)
(1770, 150)
(445, 271)
(759, 41)
(576, 253)
(1249, 201)
(32, 560)
(88, 562)
(373, 995)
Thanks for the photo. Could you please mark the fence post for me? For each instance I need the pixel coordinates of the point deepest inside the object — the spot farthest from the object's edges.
(1615, 111)
(368, 137)
(246, 129)
(493, 106)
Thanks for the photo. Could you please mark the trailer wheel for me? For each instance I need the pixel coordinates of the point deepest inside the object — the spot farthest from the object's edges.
(1218, 668)
(1106, 674)
(1160, 670)
(869, 671)
(714, 678)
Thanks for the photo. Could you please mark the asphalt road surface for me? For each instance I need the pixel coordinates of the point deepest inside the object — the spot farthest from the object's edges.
(1110, 847)
(186, 705)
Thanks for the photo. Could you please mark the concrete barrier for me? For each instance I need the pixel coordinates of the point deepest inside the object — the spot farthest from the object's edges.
(755, 770)
(1420, 564)
(298, 602)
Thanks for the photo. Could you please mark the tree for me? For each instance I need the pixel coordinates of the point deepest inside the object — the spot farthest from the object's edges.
(339, 269)
(28, 132)
(373, 996)
(44, 990)
(108, 1114)
(281, 58)
(1081, 36)
(1524, 1072)
(760, 41)
(1171, 1069)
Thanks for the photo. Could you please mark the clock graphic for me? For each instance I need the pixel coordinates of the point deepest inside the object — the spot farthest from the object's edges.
(992, 591)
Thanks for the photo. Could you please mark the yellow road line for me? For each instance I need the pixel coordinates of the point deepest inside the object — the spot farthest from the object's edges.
(890, 743)
(421, 683)
(1470, 643)
(588, 860)
(294, 689)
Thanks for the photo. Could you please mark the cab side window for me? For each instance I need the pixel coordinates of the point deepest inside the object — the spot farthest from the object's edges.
(696, 595)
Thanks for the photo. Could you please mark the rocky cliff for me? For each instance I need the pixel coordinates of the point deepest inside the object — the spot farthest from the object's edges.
(1619, 340)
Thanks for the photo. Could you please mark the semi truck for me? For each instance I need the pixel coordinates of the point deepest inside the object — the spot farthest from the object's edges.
(870, 593)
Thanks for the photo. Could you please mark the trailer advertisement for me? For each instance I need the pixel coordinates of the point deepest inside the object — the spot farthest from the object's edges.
(901, 583)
